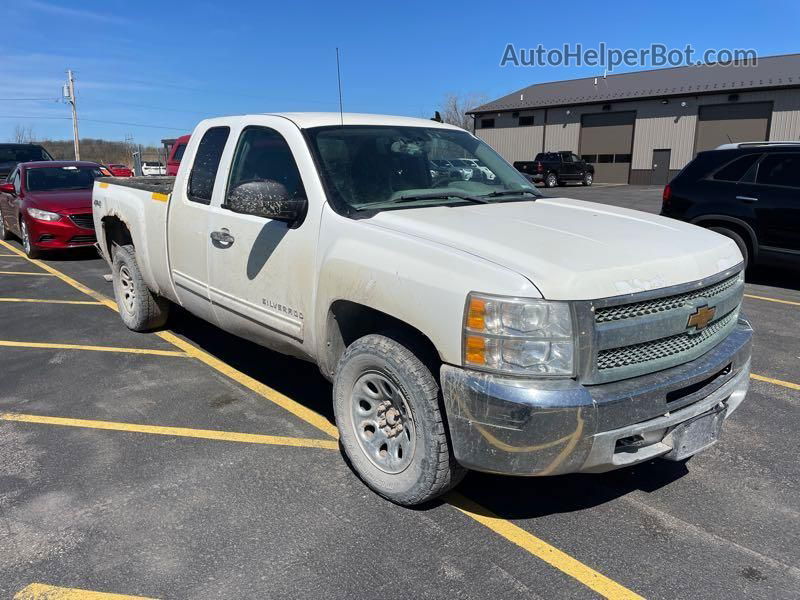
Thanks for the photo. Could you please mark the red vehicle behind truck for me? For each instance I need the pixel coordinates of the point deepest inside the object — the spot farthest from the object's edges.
(175, 155)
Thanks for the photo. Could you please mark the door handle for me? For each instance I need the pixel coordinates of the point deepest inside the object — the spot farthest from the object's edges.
(747, 199)
(222, 238)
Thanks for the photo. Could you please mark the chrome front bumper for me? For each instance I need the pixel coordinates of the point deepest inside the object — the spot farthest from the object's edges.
(512, 426)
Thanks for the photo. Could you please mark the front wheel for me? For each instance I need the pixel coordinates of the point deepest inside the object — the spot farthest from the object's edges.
(587, 179)
(139, 308)
(31, 251)
(390, 422)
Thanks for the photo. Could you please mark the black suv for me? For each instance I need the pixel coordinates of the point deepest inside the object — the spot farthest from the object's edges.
(749, 192)
(13, 154)
(557, 168)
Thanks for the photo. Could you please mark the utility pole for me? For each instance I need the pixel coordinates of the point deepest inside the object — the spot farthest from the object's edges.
(69, 95)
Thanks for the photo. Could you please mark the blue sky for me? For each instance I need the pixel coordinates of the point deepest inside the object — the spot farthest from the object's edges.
(168, 64)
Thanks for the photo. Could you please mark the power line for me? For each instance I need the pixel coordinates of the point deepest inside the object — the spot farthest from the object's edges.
(96, 121)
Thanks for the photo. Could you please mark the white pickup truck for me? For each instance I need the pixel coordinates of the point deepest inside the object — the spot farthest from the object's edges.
(464, 324)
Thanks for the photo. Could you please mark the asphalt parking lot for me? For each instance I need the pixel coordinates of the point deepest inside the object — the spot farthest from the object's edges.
(191, 464)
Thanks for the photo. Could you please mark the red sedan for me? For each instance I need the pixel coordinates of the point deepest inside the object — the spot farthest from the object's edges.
(48, 205)
(120, 171)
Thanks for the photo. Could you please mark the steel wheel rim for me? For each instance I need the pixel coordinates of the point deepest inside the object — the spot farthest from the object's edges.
(126, 291)
(382, 422)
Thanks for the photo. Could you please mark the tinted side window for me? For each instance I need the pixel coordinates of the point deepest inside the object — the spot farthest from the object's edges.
(179, 152)
(206, 163)
(263, 155)
(780, 169)
(734, 170)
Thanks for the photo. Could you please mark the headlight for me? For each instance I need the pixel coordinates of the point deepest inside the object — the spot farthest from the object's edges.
(43, 215)
(519, 336)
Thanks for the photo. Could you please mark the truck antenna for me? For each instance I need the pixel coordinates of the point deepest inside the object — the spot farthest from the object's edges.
(339, 79)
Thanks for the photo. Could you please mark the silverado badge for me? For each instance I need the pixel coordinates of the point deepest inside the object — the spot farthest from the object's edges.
(701, 317)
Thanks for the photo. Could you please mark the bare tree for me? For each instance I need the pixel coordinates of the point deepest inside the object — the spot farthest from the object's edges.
(23, 134)
(455, 107)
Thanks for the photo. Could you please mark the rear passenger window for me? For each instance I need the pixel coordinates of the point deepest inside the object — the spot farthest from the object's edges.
(780, 169)
(206, 163)
(736, 169)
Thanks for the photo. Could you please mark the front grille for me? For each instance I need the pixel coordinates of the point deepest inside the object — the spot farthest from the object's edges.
(665, 348)
(84, 221)
(658, 305)
(83, 239)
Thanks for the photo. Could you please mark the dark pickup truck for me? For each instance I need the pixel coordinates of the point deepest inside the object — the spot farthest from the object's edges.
(557, 168)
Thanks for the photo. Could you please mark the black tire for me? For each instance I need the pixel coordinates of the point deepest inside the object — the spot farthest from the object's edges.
(743, 248)
(139, 308)
(551, 180)
(430, 469)
(588, 179)
(31, 251)
(4, 235)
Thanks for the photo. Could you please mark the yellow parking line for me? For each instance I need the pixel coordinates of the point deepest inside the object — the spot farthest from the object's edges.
(25, 273)
(83, 302)
(40, 591)
(9, 255)
(786, 384)
(292, 406)
(768, 299)
(562, 561)
(207, 434)
(17, 344)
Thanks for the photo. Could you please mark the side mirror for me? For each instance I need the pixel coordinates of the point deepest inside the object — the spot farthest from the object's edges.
(7, 188)
(266, 198)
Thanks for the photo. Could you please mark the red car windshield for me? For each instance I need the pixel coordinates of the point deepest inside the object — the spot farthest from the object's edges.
(45, 179)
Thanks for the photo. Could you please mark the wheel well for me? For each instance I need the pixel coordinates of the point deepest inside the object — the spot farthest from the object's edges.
(116, 232)
(744, 232)
(348, 321)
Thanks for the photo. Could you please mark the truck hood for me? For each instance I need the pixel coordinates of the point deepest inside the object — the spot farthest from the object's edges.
(571, 249)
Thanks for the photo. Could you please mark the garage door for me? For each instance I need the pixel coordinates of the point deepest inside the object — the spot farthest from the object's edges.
(607, 142)
(724, 123)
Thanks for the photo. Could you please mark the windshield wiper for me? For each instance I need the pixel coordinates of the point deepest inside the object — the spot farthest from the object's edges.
(442, 196)
(512, 193)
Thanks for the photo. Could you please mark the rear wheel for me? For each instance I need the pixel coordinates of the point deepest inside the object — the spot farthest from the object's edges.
(551, 180)
(390, 422)
(3, 232)
(139, 308)
(30, 250)
(738, 239)
(587, 179)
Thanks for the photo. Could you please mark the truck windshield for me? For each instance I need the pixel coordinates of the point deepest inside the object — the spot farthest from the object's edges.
(367, 167)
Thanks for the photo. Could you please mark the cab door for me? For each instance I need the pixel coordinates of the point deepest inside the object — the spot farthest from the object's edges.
(261, 269)
(188, 224)
(776, 200)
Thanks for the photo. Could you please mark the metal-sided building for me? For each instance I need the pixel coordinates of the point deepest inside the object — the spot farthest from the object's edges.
(643, 127)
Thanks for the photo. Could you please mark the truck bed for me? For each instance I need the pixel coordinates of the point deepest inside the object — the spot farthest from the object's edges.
(159, 185)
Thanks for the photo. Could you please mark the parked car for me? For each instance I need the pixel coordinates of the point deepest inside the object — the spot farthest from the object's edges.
(176, 154)
(118, 170)
(153, 168)
(485, 171)
(557, 168)
(449, 168)
(13, 154)
(48, 205)
(749, 192)
(464, 324)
